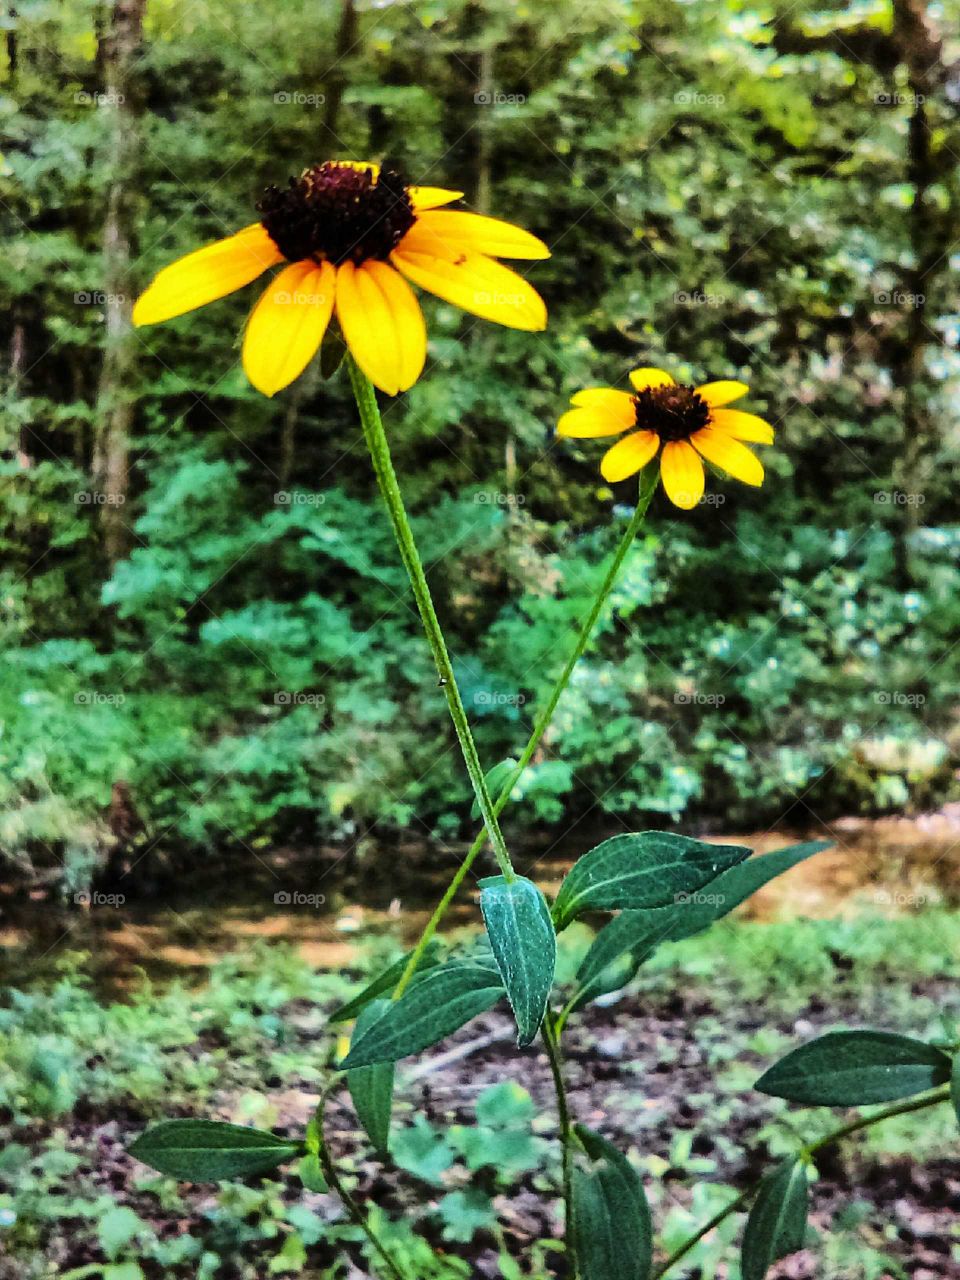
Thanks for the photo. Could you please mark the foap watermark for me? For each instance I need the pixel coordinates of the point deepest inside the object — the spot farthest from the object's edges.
(83, 98)
(294, 498)
(897, 698)
(94, 698)
(496, 98)
(898, 498)
(92, 898)
(296, 698)
(300, 298)
(899, 898)
(297, 98)
(97, 298)
(694, 98)
(899, 298)
(693, 698)
(95, 498)
(485, 299)
(697, 298)
(699, 899)
(897, 99)
(294, 898)
(494, 698)
(491, 498)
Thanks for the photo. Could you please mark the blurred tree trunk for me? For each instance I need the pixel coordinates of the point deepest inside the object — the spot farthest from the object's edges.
(118, 50)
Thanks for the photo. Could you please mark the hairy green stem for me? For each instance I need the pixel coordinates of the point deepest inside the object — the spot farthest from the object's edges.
(805, 1153)
(648, 486)
(379, 447)
(552, 1045)
(349, 1203)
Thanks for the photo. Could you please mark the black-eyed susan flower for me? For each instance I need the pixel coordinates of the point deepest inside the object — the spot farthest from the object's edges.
(351, 236)
(684, 424)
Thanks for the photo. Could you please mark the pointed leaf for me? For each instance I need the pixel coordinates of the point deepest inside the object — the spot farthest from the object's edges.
(435, 1005)
(777, 1222)
(371, 1088)
(524, 946)
(854, 1068)
(648, 869)
(208, 1150)
(332, 350)
(385, 983)
(640, 932)
(611, 1227)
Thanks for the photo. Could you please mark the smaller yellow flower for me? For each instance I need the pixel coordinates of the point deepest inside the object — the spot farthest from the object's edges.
(689, 423)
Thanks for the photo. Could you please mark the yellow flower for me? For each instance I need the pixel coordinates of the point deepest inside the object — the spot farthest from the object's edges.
(689, 423)
(349, 233)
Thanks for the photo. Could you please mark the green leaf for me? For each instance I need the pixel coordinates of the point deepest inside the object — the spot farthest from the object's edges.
(639, 933)
(524, 945)
(854, 1068)
(955, 1085)
(424, 1151)
(777, 1221)
(611, 1226)
(464, 1213)
(310, 1173)
(371, 1088)
(386, 982)
(495, 779)
(435, 1004)
(208, 1150)
(648, 869)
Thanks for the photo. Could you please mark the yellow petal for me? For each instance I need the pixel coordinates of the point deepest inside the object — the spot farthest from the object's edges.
(628, 455)
(477, 284)
(445, 232)
(618, 404)
(287, 325)
(646, 379)
(682, 474)
(718, 393)
(742, 426)
(431, 197)
(729, 454)
(587, 424)
(207, 274)
(382, 324)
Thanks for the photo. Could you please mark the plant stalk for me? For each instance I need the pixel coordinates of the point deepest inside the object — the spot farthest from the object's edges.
(648, 485)
(552, 1045)
(379, 447)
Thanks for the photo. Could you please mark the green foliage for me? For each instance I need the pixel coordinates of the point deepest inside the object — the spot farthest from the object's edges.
(371, 1089)
(852, 1068)
(208, 1150)
(717, 202)
(612, 1230)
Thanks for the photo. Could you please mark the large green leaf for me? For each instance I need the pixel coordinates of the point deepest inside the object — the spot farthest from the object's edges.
(777, 1222)
(611, 1227)
(854, 1068)
(435, 1004)
(524, 945)
(371, 1088)
(208, 1150)
(385, 982)
(640, 932)
(648, 869)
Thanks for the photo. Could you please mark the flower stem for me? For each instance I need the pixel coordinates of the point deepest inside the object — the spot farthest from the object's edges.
(379, 448)
(552, 1044)
(805, 1153)
(648, 486)
(349, 1203)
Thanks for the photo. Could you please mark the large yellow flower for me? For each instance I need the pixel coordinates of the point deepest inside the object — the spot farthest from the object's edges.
(689, 423)
(348, 234)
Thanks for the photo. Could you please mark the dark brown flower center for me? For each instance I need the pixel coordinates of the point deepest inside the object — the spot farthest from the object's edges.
(336, 213)
(674, 413)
